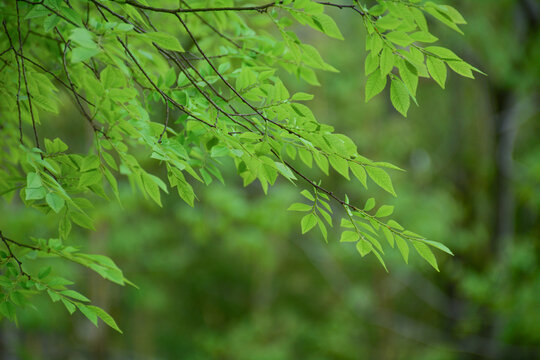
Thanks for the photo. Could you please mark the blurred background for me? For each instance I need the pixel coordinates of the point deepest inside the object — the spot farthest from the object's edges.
(233, 278)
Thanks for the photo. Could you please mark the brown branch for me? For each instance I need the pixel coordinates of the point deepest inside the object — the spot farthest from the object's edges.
(18, 82)
(72, 88)
(36, 138)
(260, 8)
(12, 255)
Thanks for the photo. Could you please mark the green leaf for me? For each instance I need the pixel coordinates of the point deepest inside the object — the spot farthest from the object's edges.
(439, 246)
(399, 95)
(443, 53)
(88, 312)
(321, 161)
(349, 236)
(400, 38)
(440, 14)
(8, 310)
(35, 193)
(300, 207)
(37, 11)
(387, 61)
(54, 296)
(75, 295)
(409, 76)
(44, 272)
(69, 306)
(419, 18)
(308, 222)
(90, 178)
(363, 247)
(340, 165)
(403, 248)
(284, 170)
(107, 319)
(305, 156)
(371, 63)
(152, 188)
(71, 15)
(370, 204)
(55, 202)
(323, 230)
(185, 191)
(452, 13)
(55, 146)
(395, 225)
(327, 25)
(360, 173)
(80, 54)
(423, 36)
(461, 68)
(164, 40)
(307, 195)
(300, 96)
(64, 227)
(82, 220)
(33, 180)
(388, 235)
(375, 44)
(385, 210)
(375, 84)
(426, 253)
(388, 22)
(83, 37)
(381, 178)
(437, 70)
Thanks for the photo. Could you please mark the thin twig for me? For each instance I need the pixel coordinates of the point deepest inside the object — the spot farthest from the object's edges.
(18, 82)
(12, 255)
(36, 138)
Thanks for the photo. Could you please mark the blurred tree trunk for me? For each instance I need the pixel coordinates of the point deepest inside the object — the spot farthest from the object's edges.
(506, 119)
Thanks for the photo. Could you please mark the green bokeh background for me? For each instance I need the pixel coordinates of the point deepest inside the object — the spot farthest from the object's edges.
(233, 278)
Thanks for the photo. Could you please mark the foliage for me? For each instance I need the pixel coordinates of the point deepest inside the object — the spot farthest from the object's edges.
(211, 74)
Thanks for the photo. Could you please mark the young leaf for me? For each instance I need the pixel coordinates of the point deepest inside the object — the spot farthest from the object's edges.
(327, 25)
(152, 188)
(300, 207)
(360, 173)
(399, 96)
(385, 210)
(349, 236)
(381, 178)
(55, 202)
(307, 195)
(439, 246)
(340, 165)
(164, 40)
(387, 61)
(426, 253)
(107, 319)
(437, 70)
(370, 204)
(388, 235)
(308, 222)
(403, 248)
(75, 295)
(375, 83)
(363, 247)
